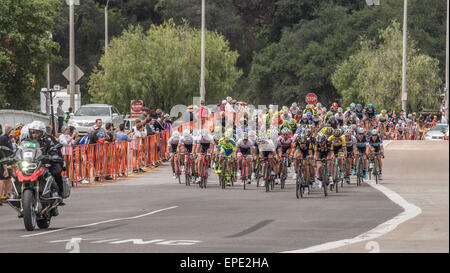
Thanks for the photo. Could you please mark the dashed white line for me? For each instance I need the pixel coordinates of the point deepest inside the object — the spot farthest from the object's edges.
(99, 223)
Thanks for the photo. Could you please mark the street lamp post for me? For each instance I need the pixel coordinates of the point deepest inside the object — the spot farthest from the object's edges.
(72, 54)
(106, 26)
(404, 94)
(202, 69)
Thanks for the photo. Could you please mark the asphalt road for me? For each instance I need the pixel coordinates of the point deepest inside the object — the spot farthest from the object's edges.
(153, 213)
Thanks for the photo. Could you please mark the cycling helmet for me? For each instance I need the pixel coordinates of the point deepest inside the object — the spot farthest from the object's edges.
(324, 109)
(371, 106)
(374, 132)
(176, 135)
(331, 118)
(337, 132)
(352, 105)
(360, 131)
(245, 136)
(348, 132)
(353, 116)
(329, 131)
(339, 110)
(308, 132)
(305, 116)
(196, 132)
(335, 104)
(318, 104)
(353, 126)
(292, 121)
(302, 138)
(299, 129)
(409, 115)
(308, 106)
(322, 138)
(217, 129)
(186, 133)
(285, 131)
(383, 111)
(359, 106)
(204, 132)
(329, 113)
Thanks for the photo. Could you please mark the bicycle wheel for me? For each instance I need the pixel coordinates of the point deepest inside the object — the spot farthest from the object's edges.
(375, 170)
(224, 168)
(337, 176)
(325, 180)
(258, 174)
(267, 178)
(283, 175)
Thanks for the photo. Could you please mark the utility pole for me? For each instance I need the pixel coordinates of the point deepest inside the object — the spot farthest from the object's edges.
(446, 70)
(404, 94)
(72, 54)
(106, 26)
(202, 71)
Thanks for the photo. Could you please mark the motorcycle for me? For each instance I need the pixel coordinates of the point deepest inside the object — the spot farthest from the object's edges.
(34, 189)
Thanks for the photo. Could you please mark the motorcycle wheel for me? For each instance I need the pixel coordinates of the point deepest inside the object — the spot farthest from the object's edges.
(29, 214)
(43, 223)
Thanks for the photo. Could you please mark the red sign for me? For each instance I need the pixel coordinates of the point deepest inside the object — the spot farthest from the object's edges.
(136, 108)
(311, 98)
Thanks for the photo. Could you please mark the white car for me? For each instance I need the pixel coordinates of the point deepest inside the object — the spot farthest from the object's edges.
(437, 132)
(84, 118)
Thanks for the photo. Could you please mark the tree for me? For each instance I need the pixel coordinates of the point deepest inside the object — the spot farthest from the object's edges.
(374, 74)
(162, 67)
(25, 48)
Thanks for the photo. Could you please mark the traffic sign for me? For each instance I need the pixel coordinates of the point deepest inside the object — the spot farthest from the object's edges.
(136, 108)
(78, 73)
(311, 98)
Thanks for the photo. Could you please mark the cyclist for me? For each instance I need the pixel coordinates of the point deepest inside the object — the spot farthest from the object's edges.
(362, 147)
(226, 147)
(333, 122)
(303, 150)
(350, 143)
(334, 108)
(305, 120)
(202, 144)
(323, 150)
(339, 116)
(339, 149)
(172, 144)
(293, 125)
(376, 146)
(369, 114)
(284, 144)
(266, 150)
(383, 119)
(185, 146)
(400, 128)
(252, 137)
(359, 111)
(245, 147)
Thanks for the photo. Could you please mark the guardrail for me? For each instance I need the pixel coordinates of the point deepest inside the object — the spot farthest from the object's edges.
(12, 117)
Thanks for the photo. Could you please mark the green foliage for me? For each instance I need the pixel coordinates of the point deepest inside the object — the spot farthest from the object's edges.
(162, 67)
(25, 48)
(374, 74)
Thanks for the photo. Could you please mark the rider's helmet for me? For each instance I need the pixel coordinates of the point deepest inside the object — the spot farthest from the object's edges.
(285, 131)
(308, 106)
(305, 116)
(383, 111)
(338, 132)
(335, 104)
(331, 118)
(318, 104)
(322, 138)
(196, 132)
(245, 135)
(292, 121)
(374, 132)
(361, 131)
(353, 116)
(339, 110)
(329, 113)
(204, 132)
(307, 132)
(359, 106)
(353, 126)
(36, 129)
(302, 138)
(329, 131)
(348, 132)
(352, 105)
(299, 129)
(186, 133)
(176, 135)
(371, 106)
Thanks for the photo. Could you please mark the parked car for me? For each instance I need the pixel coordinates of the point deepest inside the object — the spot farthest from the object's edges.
(437, 132)
(84, 118)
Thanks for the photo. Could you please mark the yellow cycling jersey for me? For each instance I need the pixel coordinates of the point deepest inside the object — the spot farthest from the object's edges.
(325, 148)
(324, 129)
(337, 141)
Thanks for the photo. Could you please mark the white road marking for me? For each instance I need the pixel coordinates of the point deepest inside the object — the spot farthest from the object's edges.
(102, 222)
(410, 211)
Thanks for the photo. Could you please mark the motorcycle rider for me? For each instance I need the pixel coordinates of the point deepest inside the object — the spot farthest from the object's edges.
(38, 133)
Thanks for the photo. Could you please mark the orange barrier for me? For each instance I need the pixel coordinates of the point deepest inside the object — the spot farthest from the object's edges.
(111, 159)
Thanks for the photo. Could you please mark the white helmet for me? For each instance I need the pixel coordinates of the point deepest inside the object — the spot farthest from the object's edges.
(36, 126)
(186, 133)
(204, 132)
(176, 135)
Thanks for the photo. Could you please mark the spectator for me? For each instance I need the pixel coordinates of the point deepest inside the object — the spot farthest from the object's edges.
(66, 138)
(222, 106)
(228, 106)
(202, 111)
(19, 127)
(167, 123)
(109, 131)
(121, 135)
(101, 131)
(443, 118)
(145, 113)
(49, 130)
(60, 114)
(158, 124)
(91, 137)
(190, 113)
(5, 173)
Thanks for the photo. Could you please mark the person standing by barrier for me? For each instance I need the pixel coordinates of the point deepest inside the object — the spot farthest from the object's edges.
(60, 114)
(5, 173)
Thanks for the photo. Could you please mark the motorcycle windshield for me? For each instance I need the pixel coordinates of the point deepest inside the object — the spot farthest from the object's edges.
(29, 151)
